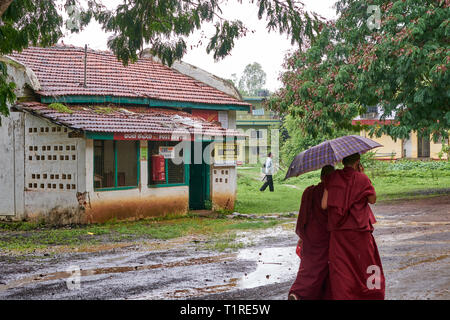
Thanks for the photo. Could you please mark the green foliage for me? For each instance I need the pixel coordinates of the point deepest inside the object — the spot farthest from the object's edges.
(419, 165)
(6, 91)
(161, 25)
(445, 150)
(24, 23)
(401, 67)
(28, 22)
(208, 204)
(368, 160)
(60, 107)
(298, 139)
(165, 25)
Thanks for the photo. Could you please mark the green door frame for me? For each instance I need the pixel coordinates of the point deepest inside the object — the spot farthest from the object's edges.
(205, 180)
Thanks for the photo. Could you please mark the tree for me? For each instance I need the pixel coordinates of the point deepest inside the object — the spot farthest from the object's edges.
(252, 80)
(401, 65)
(24, 23)
(163, 26)
(294, 139)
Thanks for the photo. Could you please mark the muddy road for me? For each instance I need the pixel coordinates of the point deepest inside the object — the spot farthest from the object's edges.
(413, 238)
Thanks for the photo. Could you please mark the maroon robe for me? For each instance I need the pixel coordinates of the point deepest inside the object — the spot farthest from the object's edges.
(355, 265)
(312, 277)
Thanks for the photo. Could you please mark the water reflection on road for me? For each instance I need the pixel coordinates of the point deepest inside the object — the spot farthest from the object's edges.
(273, 265)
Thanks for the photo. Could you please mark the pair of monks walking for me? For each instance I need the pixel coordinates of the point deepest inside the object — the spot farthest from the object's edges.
(339, 256)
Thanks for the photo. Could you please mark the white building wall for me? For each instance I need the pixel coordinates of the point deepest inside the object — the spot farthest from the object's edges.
(224, 176)
(12, 139)
(6, 173)
(54, 172)
(12, 170)
(135, 203)
(223, 187)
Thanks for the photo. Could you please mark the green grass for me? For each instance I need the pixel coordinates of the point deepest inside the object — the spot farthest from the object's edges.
(223, 242)
(26, 237)
(399, 180)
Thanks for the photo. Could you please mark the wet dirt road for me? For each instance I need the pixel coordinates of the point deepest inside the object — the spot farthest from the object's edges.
(413, 238)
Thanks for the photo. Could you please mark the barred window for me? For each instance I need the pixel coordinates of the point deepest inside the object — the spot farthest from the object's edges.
(174, 173)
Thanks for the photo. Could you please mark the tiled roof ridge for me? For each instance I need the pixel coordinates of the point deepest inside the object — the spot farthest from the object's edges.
(174, 85)
(202, 83)
(110, 53)
(64, 46)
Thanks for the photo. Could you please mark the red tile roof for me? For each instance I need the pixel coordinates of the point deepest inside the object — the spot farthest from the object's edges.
(117, 119)
(60, 70)
(371, 122)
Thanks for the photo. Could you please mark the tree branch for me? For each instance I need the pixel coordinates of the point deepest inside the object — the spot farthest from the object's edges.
(4, 4)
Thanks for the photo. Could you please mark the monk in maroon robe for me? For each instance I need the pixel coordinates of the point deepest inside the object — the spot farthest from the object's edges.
(312, 277)
(355, 265)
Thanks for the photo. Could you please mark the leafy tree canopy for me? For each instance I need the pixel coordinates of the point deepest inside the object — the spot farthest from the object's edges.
(163, 26)
(24, 23)
(252, 80)
(399, 63)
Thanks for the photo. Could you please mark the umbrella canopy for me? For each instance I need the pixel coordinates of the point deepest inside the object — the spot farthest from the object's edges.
(329, 153)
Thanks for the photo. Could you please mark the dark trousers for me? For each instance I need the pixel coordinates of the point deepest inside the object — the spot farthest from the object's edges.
(269, 182)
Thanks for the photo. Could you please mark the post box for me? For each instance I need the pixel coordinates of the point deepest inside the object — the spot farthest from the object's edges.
(158, 168)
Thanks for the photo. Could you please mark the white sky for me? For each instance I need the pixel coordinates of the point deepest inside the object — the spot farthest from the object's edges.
(268, 49)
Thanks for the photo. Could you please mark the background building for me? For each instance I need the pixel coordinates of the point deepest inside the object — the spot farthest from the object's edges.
(256, 123)
(415, 147)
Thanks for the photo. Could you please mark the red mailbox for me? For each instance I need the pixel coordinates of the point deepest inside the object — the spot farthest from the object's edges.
(158, 168)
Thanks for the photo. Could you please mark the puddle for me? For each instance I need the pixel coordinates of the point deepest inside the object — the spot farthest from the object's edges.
(261, 236)
(118, 269)
(273, 265)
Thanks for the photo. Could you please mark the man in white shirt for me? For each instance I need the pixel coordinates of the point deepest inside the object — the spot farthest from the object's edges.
(268, 170)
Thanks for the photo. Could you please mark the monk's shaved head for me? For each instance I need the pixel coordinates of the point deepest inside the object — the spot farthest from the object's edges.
(351, 159)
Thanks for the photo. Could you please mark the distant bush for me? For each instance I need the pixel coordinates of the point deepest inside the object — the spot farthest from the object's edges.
(313, 175)
(445, 150)
(368, 159)
(424, 165)
(409, 168)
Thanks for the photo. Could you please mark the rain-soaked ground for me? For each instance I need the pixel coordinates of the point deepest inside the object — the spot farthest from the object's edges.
(413, 238)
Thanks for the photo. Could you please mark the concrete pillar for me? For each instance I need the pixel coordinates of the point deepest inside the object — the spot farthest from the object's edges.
(89, 164)
(144, 165)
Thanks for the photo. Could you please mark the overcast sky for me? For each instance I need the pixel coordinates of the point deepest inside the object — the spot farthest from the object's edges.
(268, 49)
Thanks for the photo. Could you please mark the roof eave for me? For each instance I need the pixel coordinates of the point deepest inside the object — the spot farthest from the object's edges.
(142, 101)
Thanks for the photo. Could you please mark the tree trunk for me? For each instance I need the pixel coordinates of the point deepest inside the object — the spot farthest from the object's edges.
(4, 4)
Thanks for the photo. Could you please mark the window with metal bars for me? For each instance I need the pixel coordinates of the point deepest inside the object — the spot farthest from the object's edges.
(175, 173)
